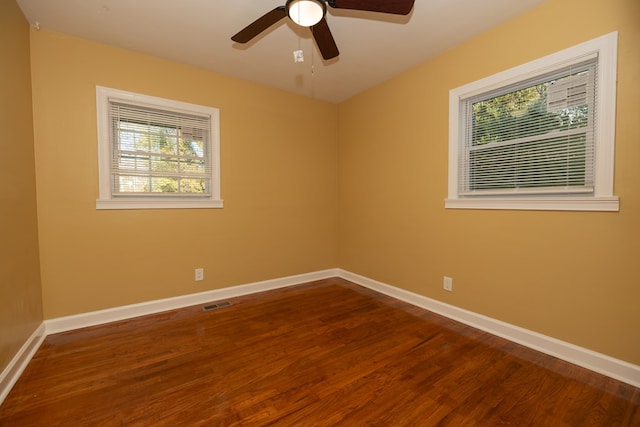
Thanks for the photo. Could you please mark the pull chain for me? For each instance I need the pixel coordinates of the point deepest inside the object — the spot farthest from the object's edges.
(313, 71)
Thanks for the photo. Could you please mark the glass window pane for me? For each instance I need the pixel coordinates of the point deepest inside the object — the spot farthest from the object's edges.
(165, 164)
(164, 185)
(162, 143)
(197, 186)
(192, 147)
(559, 103)
(192, 166)
(133, 184)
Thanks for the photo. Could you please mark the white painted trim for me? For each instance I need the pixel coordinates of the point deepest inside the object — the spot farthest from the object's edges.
(158, 204)
(606, 204)
(83, 320)
(9, 376)
(597, 362)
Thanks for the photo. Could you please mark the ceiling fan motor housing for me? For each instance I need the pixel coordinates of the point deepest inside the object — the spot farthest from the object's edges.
(306, 13)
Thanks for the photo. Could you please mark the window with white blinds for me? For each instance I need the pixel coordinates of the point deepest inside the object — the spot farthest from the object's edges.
(539, 136)
(156, 153)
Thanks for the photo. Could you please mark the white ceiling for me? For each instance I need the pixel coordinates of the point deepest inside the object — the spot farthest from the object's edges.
(373, 46)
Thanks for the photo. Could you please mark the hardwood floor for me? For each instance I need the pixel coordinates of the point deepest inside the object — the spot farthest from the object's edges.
(328, 353)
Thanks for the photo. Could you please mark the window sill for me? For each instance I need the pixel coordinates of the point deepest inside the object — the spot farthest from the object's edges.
(158, 204)
(607, 204)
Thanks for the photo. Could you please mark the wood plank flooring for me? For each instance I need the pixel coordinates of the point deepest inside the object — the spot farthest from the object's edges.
(327, 353)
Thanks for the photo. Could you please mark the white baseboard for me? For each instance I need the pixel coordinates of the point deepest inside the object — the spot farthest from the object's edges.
(9, 376)
(598, 362)
(83, 320)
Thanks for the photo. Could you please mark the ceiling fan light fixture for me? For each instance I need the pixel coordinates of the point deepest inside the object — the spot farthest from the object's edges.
(306, 13)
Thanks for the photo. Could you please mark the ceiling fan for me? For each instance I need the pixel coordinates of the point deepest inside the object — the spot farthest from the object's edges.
(310, 13)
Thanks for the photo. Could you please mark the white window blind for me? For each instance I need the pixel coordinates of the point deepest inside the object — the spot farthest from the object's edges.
(532, 137)
(158, 152)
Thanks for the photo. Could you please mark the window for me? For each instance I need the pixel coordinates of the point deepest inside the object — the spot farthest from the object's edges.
(538, 136)
(156, 153)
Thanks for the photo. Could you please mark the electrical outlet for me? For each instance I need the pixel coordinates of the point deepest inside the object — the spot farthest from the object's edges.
(199, 274)
(447, 284)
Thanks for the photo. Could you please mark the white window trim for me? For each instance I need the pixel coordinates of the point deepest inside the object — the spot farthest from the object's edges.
(106, 200)
(603, 199)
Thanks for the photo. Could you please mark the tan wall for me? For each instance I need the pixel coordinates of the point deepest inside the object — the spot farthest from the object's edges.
(20, 299)
(279, 184)
(571, 275)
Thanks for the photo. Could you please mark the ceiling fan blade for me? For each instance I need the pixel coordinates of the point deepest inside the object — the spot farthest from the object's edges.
(260, 24)
(397, 7)
(324, 40)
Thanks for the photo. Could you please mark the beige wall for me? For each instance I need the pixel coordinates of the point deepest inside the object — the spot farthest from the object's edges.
(20, 300)
(279, 184)
(571, 275)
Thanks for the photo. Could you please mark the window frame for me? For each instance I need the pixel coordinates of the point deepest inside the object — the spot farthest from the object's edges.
(107, 200)
(605, 47)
